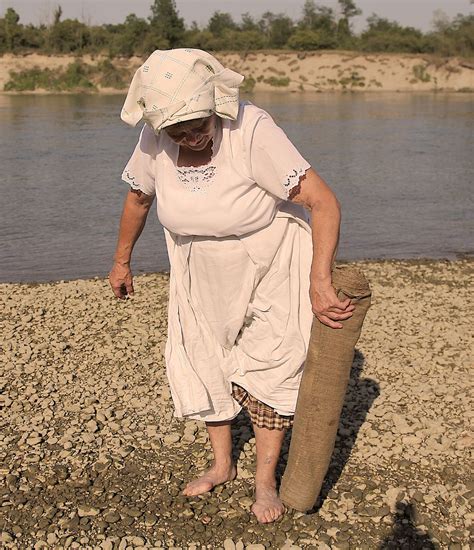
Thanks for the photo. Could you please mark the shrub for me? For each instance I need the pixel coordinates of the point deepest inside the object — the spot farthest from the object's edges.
(74, 78)
(248, 84)
(110, 75)
(312, 40)
(274, 81)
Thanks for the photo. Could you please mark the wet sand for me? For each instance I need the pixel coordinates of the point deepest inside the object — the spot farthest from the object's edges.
(92, 456)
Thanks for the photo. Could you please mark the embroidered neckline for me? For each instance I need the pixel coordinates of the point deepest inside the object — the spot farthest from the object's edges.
(196, 178)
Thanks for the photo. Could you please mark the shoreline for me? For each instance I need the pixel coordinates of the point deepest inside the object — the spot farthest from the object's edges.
(409, 262)
(290, 71)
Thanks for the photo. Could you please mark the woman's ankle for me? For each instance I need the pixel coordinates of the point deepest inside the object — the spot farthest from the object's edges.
(223, 463)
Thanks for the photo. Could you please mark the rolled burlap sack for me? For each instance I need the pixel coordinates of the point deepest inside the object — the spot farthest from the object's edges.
(321, 394)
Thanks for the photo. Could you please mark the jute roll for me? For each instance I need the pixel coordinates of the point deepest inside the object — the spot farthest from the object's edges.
(321, 394)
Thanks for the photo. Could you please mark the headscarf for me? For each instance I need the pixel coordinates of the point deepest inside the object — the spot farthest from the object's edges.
(181, 84)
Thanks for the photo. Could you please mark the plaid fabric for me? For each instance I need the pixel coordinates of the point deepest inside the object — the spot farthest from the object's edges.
(261, 414)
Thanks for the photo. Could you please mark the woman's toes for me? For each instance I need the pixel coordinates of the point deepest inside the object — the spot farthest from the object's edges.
(208, 481)
(267, 506)
(196, 488)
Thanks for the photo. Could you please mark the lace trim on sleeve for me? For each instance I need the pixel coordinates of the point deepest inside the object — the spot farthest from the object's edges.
(292, 182)
(128, 178)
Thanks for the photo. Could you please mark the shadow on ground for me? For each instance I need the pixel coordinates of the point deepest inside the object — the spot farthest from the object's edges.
(404, 533)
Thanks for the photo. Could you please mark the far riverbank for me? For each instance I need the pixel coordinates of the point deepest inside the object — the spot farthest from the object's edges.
(318, 71)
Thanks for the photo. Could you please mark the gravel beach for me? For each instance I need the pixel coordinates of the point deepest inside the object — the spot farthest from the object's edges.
(92, 456)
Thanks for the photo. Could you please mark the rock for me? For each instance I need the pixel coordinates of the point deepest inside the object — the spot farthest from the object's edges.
(112, 517)
(246, 502)
(150, 519)
(171, 439)
(92, 426)
(87, 511)
(6, 537)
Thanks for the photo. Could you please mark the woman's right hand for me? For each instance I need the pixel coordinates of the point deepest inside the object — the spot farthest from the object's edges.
(121, 280)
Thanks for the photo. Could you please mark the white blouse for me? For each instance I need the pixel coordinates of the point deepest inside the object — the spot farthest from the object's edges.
(251, 172)
(240, 257)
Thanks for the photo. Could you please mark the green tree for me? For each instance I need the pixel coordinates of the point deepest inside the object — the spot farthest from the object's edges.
(384, 35)
(248, 23)
(455, 37)
(318, 18)
(11, 29)
(166, 24)
(344, 32)
(69, 36)
(305, 39)
(131, 38)
(277, 28)
(316, 29)
(57, 14)
(280, 31)
(349, 9)
(308, 21)
(221, 22)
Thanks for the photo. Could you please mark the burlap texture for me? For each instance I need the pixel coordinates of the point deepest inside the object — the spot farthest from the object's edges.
(321, 394)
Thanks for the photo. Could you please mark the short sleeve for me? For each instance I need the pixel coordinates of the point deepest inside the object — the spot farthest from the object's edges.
(275, 163)
(139, 172)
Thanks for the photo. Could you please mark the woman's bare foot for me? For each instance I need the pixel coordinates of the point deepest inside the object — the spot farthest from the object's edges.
(216, 475)
(267, 506)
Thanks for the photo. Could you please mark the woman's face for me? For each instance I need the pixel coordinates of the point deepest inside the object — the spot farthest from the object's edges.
(193, 134)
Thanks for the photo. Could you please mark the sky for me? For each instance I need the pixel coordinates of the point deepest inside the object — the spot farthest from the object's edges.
(414, 13)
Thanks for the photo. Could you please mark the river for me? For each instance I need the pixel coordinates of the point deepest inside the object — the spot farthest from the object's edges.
(401, 164)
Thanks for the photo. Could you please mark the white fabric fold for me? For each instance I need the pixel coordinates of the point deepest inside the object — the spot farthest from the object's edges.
(181, 84)
(253, 332)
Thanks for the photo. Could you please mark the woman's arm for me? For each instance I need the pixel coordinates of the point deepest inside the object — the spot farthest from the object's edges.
(135, 211)
(315, 195)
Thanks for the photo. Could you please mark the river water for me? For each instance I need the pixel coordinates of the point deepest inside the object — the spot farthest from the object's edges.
(402, 166)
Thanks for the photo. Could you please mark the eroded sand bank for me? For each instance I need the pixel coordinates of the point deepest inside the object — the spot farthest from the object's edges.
(304, 71)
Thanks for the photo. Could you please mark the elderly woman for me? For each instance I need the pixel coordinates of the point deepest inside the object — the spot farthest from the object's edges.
(248, 271)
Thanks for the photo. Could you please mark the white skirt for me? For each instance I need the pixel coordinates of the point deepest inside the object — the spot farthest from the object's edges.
(239, 311)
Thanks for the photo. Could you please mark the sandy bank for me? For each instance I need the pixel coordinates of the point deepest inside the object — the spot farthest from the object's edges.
(92, 455)
(306, 71)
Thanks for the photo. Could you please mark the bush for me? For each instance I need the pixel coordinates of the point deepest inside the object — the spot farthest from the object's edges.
(279, 82)
(110, 75)
(74, 78)
(248, 84)
(69, 36)
(312, 40)
(30, 80)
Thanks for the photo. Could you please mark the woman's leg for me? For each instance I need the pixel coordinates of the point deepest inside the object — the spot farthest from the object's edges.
(267, 507)
(223, 468)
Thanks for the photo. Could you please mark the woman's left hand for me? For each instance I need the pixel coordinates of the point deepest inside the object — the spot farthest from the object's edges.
(326, 305)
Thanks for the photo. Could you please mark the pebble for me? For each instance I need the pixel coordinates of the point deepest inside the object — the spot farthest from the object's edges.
(87, 511)
(112, 517)
(171, 439)
(90, 419)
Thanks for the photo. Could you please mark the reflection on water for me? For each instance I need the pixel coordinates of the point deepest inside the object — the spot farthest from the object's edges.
(400, 164)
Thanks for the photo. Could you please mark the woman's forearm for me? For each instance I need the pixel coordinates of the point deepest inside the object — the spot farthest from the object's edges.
(132, 222)
(325, 224)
